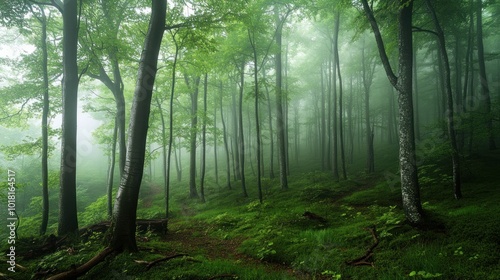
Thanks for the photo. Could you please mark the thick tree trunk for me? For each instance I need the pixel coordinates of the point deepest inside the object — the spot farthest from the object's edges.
(124, 212)
(68, 221)
(407, 156)
(450, 115)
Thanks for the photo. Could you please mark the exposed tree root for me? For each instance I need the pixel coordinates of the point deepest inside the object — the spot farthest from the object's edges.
(151, 264)
(50, 245)
(365, 259)
(78, 271)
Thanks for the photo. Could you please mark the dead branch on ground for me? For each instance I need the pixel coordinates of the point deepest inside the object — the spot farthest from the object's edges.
(365, 259)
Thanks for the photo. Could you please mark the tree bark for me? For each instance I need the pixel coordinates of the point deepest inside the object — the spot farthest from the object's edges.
(193, 193)
(410, 189)
(204, 140)
(485, 90)
(124, 212)
(450, 115)
(45, 127)
(256, 108)
(68, 221)
(224, 132)
(279, 104)
(341, 125)
(241, 140)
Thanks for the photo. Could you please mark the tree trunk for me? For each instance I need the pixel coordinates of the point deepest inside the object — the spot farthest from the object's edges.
(271, 133)
(323, 136)
(241, 142)
(485, 90)
(204, 140)
(171, 132)
(193, 193)
(367, 76)
(256, 108)
(224, 135)
(68, 221)
(235, 145)
(111, 171)
(407, 156)
(45, 127)
(450, 116)
(341, 125)
(124, 212)
(279, 105)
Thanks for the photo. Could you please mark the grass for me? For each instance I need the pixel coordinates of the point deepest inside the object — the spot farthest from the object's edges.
(230, 235)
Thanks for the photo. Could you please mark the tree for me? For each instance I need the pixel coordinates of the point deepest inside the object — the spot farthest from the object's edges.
(450, 116)
(485, 89)
(124, 212)
(410, 189)
(280, 125)
(68, 221)
(45, 126)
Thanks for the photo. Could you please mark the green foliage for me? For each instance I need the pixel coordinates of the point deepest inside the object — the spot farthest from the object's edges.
(95, 212)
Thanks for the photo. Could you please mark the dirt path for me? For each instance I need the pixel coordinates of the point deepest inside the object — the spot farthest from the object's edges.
(195, 240)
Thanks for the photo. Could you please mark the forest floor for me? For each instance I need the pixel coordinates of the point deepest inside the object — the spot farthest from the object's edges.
(317, 229)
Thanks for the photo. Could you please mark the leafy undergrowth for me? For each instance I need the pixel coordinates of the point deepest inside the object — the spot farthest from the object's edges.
(230, 236)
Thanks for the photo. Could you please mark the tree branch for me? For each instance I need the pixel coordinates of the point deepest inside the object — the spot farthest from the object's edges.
(418, 29)
(380, 44)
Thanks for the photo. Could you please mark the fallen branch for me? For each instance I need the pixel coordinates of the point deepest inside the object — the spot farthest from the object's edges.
(84, 268)
(151, 264)
(364, 260)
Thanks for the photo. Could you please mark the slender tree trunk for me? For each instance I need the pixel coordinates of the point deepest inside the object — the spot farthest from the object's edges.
(235, 146)
(216, 154)
(271, 133)
(111, 171)
(224, 135)
(241, 141)
(279, 104)
(165, 163)
(204, 140)
(367, 82)
(455, 157)
(177, 159)
(335, 109)
(415, 95)
(323, 136)
(68, 221)
(485, 90)
(410, 189)
(171, 132)
(341, 126)
(124, 212)
(256, 107)
(45, 128)
(193, 193)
